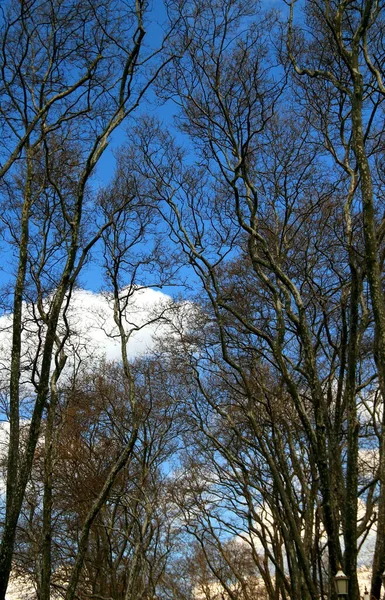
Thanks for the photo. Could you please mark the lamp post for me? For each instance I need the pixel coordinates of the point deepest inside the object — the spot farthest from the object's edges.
(366, 595)
(341, 582)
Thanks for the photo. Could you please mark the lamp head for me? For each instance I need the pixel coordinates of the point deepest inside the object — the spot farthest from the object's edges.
(341, 582)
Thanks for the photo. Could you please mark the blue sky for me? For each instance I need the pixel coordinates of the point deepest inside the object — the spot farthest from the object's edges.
(91, 277)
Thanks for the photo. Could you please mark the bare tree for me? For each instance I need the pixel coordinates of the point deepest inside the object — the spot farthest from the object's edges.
(131, 535)
(70, 74)
(279, 257)
(351, 65)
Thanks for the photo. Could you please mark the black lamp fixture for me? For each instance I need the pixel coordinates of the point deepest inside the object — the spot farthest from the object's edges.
(341, 582)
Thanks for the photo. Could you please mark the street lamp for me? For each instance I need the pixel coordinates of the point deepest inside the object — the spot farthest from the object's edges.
(366, 594)
(341, 582)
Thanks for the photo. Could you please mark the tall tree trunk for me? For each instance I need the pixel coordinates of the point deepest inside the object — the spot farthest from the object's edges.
(49, 451)
(46, 562)
(351, 487)
(378, 306)
(13, 464)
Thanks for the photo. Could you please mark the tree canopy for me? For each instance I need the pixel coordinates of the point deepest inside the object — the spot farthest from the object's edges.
(244, 452)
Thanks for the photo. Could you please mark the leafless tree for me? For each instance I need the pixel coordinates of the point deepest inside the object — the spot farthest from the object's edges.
(285, 359)
(345, 61)
(70, 74)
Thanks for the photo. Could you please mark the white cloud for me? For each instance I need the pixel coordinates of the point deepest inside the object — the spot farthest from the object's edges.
(94, 334)
(91, 317)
